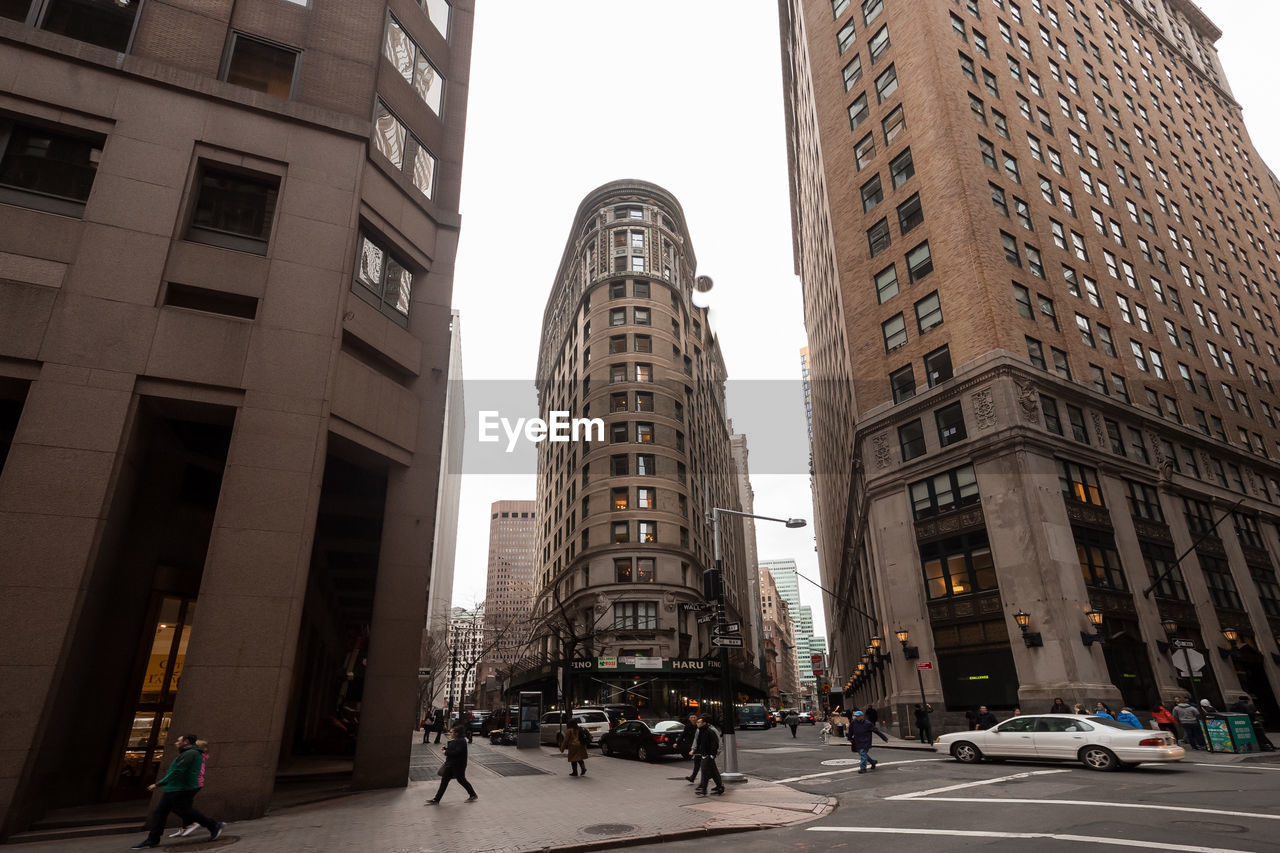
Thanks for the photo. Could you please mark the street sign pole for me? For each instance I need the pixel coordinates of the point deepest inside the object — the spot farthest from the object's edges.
(1191, 676)
(924, 706)
(730, 773)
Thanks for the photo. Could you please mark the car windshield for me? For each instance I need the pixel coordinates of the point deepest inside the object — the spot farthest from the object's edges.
(592, 717)
(668, 725)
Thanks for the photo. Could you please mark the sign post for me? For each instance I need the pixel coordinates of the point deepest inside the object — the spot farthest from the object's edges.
(924, 706)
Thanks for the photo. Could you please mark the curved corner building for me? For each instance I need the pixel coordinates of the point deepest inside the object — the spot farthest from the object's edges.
(624, 540)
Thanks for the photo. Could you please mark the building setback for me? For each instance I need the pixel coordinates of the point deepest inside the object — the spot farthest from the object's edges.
(228, 235)
(1041, 277)
(623, 538)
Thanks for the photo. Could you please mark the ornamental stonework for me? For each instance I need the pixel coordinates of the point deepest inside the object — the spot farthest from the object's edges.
(880, 449)
(1028, 401)
(984, 408)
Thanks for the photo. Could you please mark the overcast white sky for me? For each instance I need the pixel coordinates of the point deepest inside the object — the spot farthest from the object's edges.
(678, 93)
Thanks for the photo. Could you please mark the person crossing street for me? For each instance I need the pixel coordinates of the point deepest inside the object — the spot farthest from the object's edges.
(708, 746)
(860, 731)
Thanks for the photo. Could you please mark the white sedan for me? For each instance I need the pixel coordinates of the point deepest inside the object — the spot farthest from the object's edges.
(1096, 742)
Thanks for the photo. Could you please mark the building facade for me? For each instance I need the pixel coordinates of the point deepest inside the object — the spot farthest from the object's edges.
(509, 584)
(1047, 227)
(753, 631)
(228, 234)
(468, 641)
(624, 538)
(445, 548)
(779, 645)
(787, 578)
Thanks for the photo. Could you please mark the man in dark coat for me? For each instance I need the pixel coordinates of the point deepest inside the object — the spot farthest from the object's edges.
(971, 718)
(872, 715)
(708, 747)
(923, 724)
(1059, 707)
(860, 731)
(685, 744)
(437, 724)
(986, 719)
(1244, 706)
(455, 767)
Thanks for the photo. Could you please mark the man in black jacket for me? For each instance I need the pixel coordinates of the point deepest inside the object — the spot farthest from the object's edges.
(708, 746)
(986, 719)
(923, 724)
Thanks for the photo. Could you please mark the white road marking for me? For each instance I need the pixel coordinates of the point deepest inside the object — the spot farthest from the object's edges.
(1234, 766)
(781, 749)
(853, 770)
(1056, 836)
(915, 794)
(1220, 812)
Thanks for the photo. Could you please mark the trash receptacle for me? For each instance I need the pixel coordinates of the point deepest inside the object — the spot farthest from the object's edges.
(839, 729)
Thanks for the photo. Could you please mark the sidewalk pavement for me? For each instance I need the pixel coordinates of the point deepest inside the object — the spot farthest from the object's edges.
(619, 803)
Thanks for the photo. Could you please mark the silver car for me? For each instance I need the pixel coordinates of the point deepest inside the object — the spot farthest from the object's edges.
(551, 727)
(1096, 742)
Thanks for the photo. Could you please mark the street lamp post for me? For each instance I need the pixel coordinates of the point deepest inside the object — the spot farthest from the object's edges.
(731, 773)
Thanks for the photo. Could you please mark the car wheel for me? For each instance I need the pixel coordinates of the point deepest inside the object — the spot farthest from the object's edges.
(966, 753)
(604, 748)
(1098, 758)
(642, 753)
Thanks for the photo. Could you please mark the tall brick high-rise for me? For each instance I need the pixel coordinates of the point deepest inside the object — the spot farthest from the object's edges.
(623, 533)
(509, 583)
(227, 238)
(1041, 276)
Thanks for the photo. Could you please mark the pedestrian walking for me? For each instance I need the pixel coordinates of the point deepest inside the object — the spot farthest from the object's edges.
(1244, 706)
(576, 748)
(693, 749)
(986, 719)
(872, 715)
(181, 783)
(437, 724)
(464, 721)
(184, 831)
(1129, 718)
(922, 722)
(684, 743)
(1188, 716)
(454, 767)
(708, 748)
(971, 718)
(1059, 707)
(1165, 720)
(792, 720)
(860, 731)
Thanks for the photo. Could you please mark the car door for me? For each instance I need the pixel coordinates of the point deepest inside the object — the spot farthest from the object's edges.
(1011, 739)
(625, 738)
(549, 728)
(1060, 737)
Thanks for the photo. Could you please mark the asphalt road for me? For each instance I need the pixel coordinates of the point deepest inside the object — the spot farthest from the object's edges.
(919, 801)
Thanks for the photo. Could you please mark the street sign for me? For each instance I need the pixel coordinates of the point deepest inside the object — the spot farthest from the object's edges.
(706, 617)
(1184, 644)
(729, 628)
(695, 605)
(924, 664)
(818, 673)
(727, 642)
(1188, 659)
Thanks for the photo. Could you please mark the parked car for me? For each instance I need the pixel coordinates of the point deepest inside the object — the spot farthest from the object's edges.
(1096, 742)
(617, 713)
(752, 717)
(637, 738)
(806, 717)
(477, 721)
(593, 722)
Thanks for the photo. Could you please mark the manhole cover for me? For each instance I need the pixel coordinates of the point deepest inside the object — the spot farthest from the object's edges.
(608, 829)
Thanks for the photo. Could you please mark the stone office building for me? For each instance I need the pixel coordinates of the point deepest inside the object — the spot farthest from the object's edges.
(227, 236)
(1041, 273)
(623, 533)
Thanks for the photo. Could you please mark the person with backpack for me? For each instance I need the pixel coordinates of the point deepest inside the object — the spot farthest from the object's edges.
(708, 747)
(1129, 718)
(454, 767)
(1188, 716)
(181, 783)
(860, 731)
(573, 742)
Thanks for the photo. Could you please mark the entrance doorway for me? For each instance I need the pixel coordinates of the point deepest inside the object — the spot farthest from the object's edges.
(1128, 663)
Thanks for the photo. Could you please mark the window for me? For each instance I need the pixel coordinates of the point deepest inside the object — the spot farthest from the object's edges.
(844, 38)
(1160, 563)
(1086, 333)
(622, 570)
(1052, 422)
(644, 432)
(893, 125)
(911, 440)
(853, 72)
(878, 45)
(1222, 587)
(871, 10)
(864, 151)
(1035, 352)
(928, 312)
(1022, 297)
(1060, 364)
(937, 366)
(412, 63)
(958, 565)
(1113, 437)
(47, 169)
(437, 13)
(618, 432)
(643, 343)
(858, 112)
(901, 168)
(1079, 482)
(886, 284)
(645, 569)
(998, 200)
(903, 383)
(886, 84)
(233, 209)
(1099, 561)
(618, 402)
(621, 532)
(895, 332)
(646, 498)
(106, 24)
(919, 262)
(878, 237)
(620, 498)
(1076, 418)
(617, 316)
(872, 194)
(646, 465)
(618, 466)
(644, 372)
(635, 615)
(910, 214)
(1010, 245)
(950, 422)
(641, 316)
(648, 531)
(263, 66)
(1144, 502)
(988, 152)
(383, 280)
(403, 149)
(943, 493)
